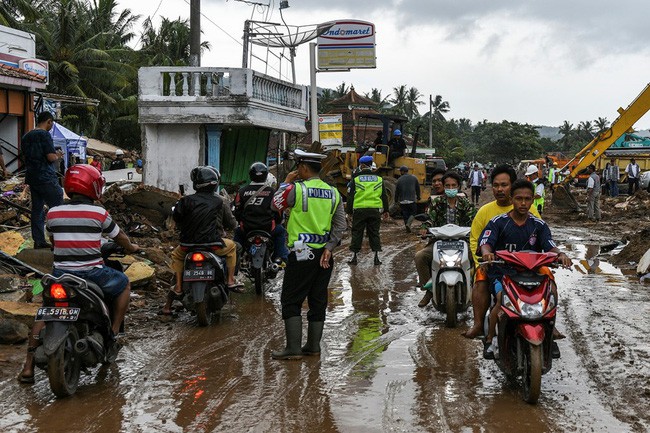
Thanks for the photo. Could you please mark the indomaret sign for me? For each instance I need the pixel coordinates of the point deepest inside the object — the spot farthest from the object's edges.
(346, 45)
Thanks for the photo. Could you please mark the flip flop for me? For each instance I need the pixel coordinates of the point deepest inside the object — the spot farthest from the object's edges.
(28, 380)
(237, 288)
(167, 314)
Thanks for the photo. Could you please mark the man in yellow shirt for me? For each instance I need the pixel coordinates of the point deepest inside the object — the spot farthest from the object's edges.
(502, 178)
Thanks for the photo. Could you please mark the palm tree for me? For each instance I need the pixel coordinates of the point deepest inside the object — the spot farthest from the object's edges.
(439, 107)
(400, 100)
(341, 90)
(602, 124)
(412, 101)
(169, 45)
(375, 95)
(326, 96)
(15, 13)
(587, 129)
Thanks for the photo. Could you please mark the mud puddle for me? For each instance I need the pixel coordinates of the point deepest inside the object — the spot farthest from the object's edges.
(386, 364)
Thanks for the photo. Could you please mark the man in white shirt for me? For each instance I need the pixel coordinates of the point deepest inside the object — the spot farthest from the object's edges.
(476, 181)
(633, 172)
(612, 177)
(593, 194)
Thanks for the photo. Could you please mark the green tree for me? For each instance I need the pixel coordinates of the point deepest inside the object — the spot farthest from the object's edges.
(341, 90)
(375, 95)
(439, 107)
(169, 44)
(399, 100)
(507, 142)
(412, 101)
(601, 124)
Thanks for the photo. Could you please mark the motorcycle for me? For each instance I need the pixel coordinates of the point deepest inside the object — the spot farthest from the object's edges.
(451, 280)
(77, 333)
(204, 281)
(526, 320)
(256, 261)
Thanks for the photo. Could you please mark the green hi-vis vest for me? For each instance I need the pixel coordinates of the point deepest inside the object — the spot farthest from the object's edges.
(551, 174)
(368, 189)
(311, 217)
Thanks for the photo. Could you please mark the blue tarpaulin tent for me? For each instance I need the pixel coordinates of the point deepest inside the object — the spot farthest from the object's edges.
(71, 143)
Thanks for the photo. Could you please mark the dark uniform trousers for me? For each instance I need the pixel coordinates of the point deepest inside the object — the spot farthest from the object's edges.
(370, 220)
(305, 279)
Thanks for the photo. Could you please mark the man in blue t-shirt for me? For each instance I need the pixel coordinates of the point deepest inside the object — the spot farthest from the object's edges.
(517, 230)
(40, 158)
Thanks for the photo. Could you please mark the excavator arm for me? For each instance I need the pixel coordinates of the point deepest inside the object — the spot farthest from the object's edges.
(595, 149)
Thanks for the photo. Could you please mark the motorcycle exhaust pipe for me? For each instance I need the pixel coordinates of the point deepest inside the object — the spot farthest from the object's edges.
(81, 347)
(275, 268)
(215, 292)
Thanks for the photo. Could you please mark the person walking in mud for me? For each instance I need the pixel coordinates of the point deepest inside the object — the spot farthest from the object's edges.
(476, 181)
(407, 194)
(315, 227)
(593, 194)
(633, 171)
(367, 202)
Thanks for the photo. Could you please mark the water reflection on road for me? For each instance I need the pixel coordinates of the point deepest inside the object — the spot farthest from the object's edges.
(386, 365)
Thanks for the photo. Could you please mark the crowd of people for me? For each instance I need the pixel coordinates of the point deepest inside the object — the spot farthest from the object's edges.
(306, 218)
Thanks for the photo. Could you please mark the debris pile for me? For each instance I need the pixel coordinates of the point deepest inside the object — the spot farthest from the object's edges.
(14, 205)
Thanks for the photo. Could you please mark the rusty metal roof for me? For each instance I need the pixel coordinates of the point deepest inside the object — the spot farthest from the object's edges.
(11, 71)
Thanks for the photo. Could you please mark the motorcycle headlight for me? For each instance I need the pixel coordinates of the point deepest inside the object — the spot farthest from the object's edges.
(451, 259)
(506, 302)
(531, 311)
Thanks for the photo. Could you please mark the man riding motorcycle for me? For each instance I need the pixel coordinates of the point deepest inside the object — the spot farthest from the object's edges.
(253, 211)
(75, 229)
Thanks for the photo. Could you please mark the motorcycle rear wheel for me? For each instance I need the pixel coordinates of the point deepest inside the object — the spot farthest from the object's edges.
(450, 307)
(202, 315)
(531, 377)
(258, 279)
(63, 366)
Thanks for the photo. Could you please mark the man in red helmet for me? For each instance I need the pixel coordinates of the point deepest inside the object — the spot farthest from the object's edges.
(75, 229)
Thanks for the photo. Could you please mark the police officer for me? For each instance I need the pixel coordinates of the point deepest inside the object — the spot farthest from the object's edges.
(316, 224)
(367, 200)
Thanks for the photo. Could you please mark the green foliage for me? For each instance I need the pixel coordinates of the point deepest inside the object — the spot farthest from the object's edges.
(507, 142)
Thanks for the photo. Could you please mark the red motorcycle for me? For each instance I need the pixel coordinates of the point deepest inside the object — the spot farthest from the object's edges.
(526, 320)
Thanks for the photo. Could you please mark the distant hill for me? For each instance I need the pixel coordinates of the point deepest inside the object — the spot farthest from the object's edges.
(551, 132)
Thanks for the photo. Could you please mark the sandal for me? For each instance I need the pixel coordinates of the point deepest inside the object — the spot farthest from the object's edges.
(237, 288)
(488, 350)
(28, 380)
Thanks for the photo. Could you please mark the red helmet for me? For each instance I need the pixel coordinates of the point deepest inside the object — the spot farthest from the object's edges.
(84, 179)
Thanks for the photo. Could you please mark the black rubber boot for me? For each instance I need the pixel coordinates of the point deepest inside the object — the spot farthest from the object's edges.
(377, 261)
(353, 261)
(293, 331)
(314, 335)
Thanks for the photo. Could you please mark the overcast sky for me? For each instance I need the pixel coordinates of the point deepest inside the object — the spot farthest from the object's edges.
(535, 61)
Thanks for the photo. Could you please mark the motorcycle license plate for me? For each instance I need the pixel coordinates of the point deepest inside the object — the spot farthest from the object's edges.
(450, 245)
(48, 314)
(253, 250)
(198, 274)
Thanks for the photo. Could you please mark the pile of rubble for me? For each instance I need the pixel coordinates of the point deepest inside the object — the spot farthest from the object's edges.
(143, 212)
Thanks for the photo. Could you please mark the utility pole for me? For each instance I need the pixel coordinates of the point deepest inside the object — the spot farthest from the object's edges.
(313, 93)
(195, 33)
(247, 30)
(431, 121)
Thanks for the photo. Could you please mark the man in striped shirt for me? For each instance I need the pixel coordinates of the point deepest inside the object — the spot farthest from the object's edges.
(75, 230)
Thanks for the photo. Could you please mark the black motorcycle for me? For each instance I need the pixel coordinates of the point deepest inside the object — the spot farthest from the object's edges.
(257, 263)
(77, 333)
(204, 281)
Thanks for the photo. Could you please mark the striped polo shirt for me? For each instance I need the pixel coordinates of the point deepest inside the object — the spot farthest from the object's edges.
(77, 229)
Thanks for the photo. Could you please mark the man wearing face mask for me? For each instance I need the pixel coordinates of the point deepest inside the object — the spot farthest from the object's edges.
(447, 209)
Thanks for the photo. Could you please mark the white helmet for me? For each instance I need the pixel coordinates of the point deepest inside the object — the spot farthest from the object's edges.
(119, 152)
(532, 169)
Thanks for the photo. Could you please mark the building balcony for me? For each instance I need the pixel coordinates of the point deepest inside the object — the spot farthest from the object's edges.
(231, 96)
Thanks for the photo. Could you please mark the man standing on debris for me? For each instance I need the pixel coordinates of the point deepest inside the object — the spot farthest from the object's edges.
(407, 194)
(612, 177)
(593, 194)
(118, 163)
(40, 158)
(367, 201)
(633, 171)
(316, 224)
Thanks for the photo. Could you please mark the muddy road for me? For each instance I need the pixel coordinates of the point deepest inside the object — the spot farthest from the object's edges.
(386, 365)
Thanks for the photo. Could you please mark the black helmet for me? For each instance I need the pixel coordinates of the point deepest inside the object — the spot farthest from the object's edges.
(205, 177)
(258, 172)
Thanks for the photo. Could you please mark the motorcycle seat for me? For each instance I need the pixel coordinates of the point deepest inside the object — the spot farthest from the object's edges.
(262, 233)
(211, 245)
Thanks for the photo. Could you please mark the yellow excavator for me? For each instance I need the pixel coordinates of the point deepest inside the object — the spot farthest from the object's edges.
(597, 147)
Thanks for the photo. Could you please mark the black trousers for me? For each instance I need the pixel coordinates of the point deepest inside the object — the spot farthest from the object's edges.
(476, 193)
(632, 185)
(408, 210)
(370, 220)
(305, 279)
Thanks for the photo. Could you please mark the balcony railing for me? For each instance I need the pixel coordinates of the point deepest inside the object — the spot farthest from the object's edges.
(188, 83)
